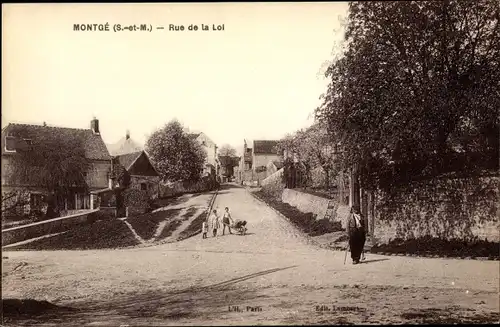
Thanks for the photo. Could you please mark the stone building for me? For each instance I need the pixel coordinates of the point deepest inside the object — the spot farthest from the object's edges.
(23, 137)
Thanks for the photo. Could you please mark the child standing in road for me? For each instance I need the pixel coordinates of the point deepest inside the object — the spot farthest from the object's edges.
(215, 222)
(204, 229)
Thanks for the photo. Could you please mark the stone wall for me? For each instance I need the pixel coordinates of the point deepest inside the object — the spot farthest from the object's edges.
(273, 184)
(135, 211)
(444, 208)
(179, 188)
(317, 205)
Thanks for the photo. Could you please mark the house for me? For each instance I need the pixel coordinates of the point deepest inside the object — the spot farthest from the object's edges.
(253, 164)
(137, 183)
(245, 172)
(263, 152)
(212, 164)
(16, 136)
(246, 158)
(124, 145)
(141, 174)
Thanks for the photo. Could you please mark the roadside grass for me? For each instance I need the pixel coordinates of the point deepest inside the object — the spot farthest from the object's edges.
(104, 234)
(190, 213)
(145, 225)
(306, 222)
(170, 227)
(195, 226)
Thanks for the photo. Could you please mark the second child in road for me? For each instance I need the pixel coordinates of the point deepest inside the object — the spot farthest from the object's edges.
(204, 229)
(227, 220)
(215, 222)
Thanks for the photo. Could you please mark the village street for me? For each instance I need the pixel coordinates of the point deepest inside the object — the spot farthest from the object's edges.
(273, 275)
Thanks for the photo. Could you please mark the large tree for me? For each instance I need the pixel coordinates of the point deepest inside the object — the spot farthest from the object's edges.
(228, 159)
(416, 94)
(54, 161)
(176, 156)
(311, 147)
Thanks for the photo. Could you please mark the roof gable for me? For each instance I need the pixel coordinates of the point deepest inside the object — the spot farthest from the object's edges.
(194, 135)
(137, 163)
(265, 147)
(95, 149)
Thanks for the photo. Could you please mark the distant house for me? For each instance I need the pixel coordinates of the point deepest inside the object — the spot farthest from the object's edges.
(212, 164)
(263, 152)
(254, 162)
(124, 145)
(247, 160)
(97, 177)
(141, 174)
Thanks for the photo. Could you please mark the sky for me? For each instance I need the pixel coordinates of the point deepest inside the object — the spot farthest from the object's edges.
(259, 78)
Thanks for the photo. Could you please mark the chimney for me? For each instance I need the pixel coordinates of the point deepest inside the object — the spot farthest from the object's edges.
(94, 125)
(127, 135)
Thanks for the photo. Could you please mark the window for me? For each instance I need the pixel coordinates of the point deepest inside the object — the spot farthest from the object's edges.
(144, 186)
(203, 143)
(10, 144)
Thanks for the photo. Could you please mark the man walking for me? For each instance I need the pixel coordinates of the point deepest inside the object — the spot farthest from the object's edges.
(357, 234)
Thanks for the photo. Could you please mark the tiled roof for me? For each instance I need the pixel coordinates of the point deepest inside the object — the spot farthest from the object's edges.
(128, 159)
(194, 135)
(124, 146)
(265, 147)
(95, 149)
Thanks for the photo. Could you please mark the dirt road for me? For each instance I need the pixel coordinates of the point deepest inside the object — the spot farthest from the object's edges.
(273, 275)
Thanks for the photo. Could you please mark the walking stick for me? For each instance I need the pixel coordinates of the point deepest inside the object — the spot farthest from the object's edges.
(346, 250)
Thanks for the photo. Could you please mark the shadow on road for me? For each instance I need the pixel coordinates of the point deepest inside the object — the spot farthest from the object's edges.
(373, 260)
(27, 309)
(154, 305)
(240, 279)
(228, 187)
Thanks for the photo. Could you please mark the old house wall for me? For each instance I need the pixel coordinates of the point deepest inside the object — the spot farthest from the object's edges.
(98, 174)
(263, 159)
(209, 148)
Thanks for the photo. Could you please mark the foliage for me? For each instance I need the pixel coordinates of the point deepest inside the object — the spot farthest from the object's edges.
(175, 155)
(227, 150)
(14, 202)
(53, 161)
(310, 148)
(228, 159)
(416, 93)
